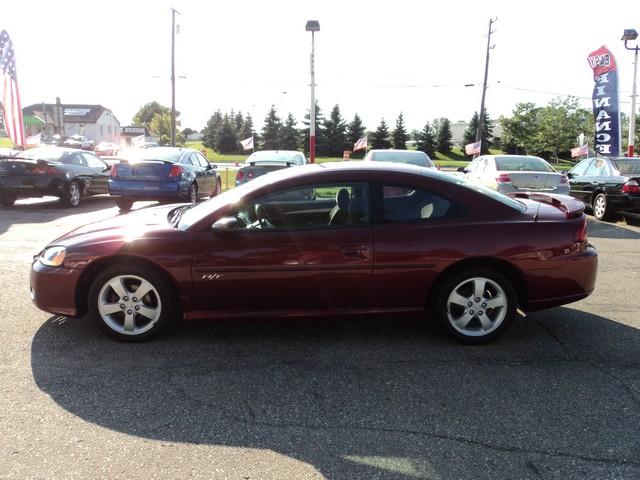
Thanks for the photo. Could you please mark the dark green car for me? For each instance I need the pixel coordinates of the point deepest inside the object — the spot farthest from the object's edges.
(607, 185)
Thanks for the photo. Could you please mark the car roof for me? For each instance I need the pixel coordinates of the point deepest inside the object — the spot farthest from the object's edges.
(396, 150)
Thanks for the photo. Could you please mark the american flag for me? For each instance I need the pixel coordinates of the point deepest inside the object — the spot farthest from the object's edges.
(472, 148)
(11, 109)
(579, 151)
(360, 144)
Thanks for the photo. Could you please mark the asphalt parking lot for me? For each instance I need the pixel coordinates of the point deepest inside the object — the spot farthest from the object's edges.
(557, 397)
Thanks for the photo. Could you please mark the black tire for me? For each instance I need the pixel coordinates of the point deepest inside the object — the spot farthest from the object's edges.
(160, 299)
(600, 207)
(193, 193)
(8, 200)
(124, 204)
(71, 195)
(484, 323)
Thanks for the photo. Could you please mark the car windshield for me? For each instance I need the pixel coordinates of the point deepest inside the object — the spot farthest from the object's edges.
(269, 156)
(161, 153)
(525, 164)
(412, 158)
(50, 154)
(628, 166)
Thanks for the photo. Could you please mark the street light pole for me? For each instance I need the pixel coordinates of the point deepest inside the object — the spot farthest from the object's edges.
(173, 76)
(631, 34)
(312, 26)
(484, 84)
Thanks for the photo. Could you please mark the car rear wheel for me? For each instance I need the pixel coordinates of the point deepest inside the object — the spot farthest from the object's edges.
(71, 197)
(7, 200)
(600, 207)
(124, 204)
(131, 303)
(193, 193)
(476, 306)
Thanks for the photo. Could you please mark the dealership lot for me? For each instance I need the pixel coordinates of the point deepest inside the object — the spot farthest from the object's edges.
(557, 397)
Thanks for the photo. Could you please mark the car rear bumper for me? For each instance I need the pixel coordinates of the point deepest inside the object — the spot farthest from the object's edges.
(508, 188)
(571, 278)
(141, 189)
(53, 289)
(29, 186)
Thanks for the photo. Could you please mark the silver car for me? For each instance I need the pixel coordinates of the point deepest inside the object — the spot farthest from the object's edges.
(412, 157)
(516, 173)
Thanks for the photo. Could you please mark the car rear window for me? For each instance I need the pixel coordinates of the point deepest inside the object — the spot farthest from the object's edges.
(158, 153)
(292, 157)
(527, 164)
(628, 167)
(51, 154)
(412, 158)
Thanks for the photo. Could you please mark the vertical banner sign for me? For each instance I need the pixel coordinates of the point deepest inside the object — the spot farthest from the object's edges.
(606, 109)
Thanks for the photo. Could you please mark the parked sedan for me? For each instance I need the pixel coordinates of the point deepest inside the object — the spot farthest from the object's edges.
(163, 173)
(412, 157)
(266, 161)
(66, 173)
(444, 245)
(607, 185)
(79, 141)
(516, 173)
(107, 149)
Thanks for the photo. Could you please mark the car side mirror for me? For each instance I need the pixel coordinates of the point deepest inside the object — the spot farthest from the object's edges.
(225, 225)
(107, 167)
(462, 170)
(569, 175)
(211, 166)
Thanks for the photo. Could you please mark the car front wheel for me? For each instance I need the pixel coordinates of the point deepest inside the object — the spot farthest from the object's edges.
(131, 303)
(476, 306)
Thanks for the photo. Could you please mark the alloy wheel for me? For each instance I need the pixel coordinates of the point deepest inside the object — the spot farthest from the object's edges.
(477, 306)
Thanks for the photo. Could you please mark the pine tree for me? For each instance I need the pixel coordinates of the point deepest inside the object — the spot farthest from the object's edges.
(290, 135)
(487, 132)
(210, 131)
(271, 130)
(444, 143)
(380, 138)
(426, 141)
(247, 128)
(319, 129)
(335, 135)
(226, 138)
(399, 135)
(238, 123)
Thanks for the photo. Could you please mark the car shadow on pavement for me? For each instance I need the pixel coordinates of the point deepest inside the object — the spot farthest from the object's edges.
(597, 229)
(558, 395)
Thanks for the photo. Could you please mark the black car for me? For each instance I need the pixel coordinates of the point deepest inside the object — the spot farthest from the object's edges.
(607, 184)
(66, 173)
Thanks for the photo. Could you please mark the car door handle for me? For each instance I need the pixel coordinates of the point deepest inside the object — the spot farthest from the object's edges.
(356, 251)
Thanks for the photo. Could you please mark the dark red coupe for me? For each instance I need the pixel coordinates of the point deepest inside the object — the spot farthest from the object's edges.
(325, 239)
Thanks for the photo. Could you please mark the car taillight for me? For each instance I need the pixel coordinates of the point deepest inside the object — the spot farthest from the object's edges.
(503, 178)
(176, 172)
(44, 170)
(581, 233)
(114, 170)
(564, 179)
(239, 175)
(632, 186)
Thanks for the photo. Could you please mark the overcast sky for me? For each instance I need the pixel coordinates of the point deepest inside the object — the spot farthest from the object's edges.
(373, 58)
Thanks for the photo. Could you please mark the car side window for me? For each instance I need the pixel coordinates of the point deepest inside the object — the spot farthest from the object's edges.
(76, 159)
(581, 168)
(323, 206)
(404, 204)
(201, 160)
(597, 168)
(93, 161)
(187, 160)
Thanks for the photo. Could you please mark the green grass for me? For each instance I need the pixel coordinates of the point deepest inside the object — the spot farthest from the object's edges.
(6, 142)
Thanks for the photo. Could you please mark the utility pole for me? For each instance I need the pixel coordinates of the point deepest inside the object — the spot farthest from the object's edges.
(484, 85)
(173, 76)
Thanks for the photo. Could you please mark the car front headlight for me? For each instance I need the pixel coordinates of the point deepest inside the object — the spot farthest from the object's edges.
(53, 256)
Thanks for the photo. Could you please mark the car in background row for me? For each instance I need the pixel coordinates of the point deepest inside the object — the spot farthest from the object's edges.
(69, 174)
(106, 149)
(516, 173)
(79, 141)
(411, 157)
(374, 238)
(266, 161)
(163, 174)
(607, 185)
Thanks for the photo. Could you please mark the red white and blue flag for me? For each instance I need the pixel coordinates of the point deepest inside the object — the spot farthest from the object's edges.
(361, 144)
(472, 148)
(11, 108)
(579, 151)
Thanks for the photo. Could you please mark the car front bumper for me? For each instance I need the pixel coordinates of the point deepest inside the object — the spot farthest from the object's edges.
(53, 289)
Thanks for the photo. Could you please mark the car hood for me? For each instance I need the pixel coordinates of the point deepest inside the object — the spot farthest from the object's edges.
(123, 228)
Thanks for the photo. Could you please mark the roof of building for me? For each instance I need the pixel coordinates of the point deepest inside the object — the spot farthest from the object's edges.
(73, 112)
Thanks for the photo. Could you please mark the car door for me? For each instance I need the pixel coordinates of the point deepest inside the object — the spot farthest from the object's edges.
(593, 179)
(209, 172)
(100, 173)
(297, 262)
(578, 181)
